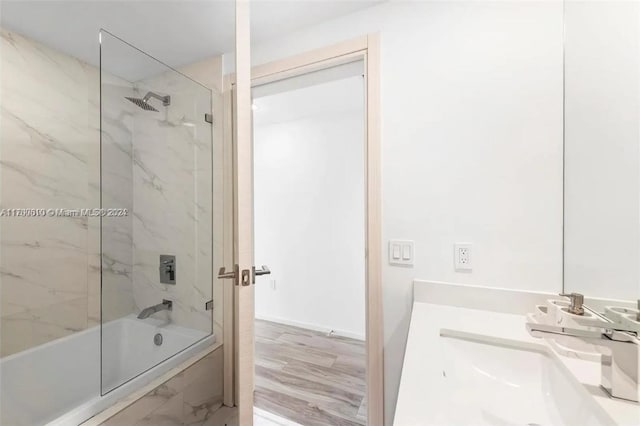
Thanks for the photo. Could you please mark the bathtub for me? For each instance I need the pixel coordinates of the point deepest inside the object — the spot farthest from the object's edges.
(59, 383)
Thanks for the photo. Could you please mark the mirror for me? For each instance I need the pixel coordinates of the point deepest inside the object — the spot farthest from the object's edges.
(602, 157)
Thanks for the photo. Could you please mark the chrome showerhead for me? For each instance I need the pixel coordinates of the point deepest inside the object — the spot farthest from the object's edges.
(141, 103)
(144, 102)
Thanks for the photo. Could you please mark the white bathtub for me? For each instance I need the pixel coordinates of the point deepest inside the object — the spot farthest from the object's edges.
(58, 383)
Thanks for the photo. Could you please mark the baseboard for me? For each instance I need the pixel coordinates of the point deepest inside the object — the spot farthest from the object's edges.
(314, 327)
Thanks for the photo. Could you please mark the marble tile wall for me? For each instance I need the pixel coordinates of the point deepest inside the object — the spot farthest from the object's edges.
(50, 120)
(172, 189)
(118, 118)
(158, 165)
(208, 72)
(192, 397)
(50, 158)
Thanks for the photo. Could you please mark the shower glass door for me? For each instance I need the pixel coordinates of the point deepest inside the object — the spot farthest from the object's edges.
(155, 223)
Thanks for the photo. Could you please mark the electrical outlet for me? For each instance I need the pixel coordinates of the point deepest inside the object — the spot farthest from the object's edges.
(462, 256)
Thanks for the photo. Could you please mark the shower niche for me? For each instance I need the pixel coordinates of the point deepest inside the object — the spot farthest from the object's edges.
(156, 165)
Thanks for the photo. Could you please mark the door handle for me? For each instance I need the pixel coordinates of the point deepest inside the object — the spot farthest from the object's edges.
(230, 275)
(224, 275)
(257, 272)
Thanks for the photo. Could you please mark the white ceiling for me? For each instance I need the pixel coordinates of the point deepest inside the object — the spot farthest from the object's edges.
(176, 32)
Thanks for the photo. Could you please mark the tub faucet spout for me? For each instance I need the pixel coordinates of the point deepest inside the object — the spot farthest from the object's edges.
(166, 305)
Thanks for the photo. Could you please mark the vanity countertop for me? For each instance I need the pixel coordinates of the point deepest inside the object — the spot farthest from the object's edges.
(422, 351)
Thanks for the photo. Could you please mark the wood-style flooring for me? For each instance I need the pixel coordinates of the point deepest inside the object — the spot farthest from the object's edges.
(308, 377)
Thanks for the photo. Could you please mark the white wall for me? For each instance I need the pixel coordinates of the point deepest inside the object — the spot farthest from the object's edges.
(602, 149)
(471, 143)
(309, 204)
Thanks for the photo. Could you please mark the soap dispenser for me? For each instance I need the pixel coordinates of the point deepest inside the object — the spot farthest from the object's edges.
(576, 303)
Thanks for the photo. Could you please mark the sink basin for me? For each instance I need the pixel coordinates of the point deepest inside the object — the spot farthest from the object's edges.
(484, 383)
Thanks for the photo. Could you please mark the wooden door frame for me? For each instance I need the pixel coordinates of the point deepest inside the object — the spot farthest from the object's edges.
(242, 294)
(366, 48)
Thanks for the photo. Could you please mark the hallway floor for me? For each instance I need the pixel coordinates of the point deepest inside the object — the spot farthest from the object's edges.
(308, 377)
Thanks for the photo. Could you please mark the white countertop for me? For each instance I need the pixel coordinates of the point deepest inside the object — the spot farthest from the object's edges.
(427, 321)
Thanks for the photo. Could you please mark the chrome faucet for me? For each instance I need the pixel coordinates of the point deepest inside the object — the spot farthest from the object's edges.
(166, 305)
(620, 362)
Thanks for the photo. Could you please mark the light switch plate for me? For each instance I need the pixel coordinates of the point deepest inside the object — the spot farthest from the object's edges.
(401, 252)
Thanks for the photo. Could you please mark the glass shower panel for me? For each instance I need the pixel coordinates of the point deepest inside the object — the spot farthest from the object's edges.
(156, 218)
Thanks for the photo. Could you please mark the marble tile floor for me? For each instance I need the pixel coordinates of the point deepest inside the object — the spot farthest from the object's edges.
(308, 377)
